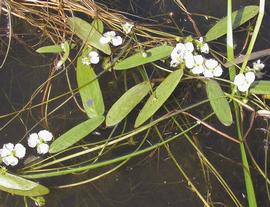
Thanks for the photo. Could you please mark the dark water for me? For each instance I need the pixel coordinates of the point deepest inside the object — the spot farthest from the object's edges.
(148, 180)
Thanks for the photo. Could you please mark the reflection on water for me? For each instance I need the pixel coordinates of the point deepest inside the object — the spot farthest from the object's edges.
(148, 180)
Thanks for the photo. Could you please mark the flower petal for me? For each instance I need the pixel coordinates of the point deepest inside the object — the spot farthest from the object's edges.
(19, 150)
(45, 135)
(197, 69)
(94, 57)
(104, 40)
(243, 87)
(211, 63)
(10, 160)
(208, 73)
(218, 71)
(42, 148)
(198, 59)
(116, 41)
(189, 61)
(33, 140)
(189, 46)
(250, 77)
(9, 146)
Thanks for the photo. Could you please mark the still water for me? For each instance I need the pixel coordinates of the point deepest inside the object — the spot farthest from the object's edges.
(148, 180)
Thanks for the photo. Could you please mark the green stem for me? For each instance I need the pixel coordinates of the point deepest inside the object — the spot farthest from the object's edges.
(230, 55)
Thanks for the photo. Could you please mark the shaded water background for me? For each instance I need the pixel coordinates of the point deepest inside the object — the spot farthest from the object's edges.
(149, 180)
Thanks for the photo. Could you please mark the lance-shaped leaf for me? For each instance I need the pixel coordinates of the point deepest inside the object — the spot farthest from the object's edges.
(98, 25)
(142, 58)
(239, 17)
(126, 103)
(50, 49)
(19, 186)
(260, 87)
(90, 92)
(159, 96)
(75, 134)
(88, 34)
(219, 103)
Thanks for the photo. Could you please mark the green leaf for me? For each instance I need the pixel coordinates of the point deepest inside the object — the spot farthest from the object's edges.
(126, 103)
(88, 34)
(64, 57)
(260, 87)
(160, 95)
(89, 89)
(138, 59)
(239, 17)
(50, 49)
(98, 25)
(219, 102)
(75, 134)
(19, 186)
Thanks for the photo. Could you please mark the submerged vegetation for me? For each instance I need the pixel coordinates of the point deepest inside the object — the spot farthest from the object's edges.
(164, 73)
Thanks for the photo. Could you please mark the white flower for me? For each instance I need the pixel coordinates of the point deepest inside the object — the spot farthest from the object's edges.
(94, 57)
(243, 82)
(11, 154)
(40, 140)
(203, 47)
(258, 66)
(127, 27)
(110, 37)
(180, 52)
(212, 69)
(195, 63)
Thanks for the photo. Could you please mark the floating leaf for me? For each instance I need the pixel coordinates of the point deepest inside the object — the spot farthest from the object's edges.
(89, 89)
(159, 96)
(260, 87)
(239, 17)
(20, 186)
(219, 102)
(75, 134)
(50, 49)
(148, 56)
(126, 103)
(98, 25)
(88, 34)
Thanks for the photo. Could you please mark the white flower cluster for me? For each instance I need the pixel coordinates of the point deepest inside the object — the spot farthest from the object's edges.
(10, 153)
(185, 53)
(107, 37)
(244, 81)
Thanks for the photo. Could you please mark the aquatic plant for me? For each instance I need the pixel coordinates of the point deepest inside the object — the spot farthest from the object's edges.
(132, 49)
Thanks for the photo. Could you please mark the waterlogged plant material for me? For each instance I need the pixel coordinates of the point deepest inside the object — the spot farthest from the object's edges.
(219, 102)
(98, 25)
(19, 186)
(159, 96)
(142, 58)
(260, 87)
(89, 89)
(88, 34)
(75, 134)
(126, 103)
(239, 17)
